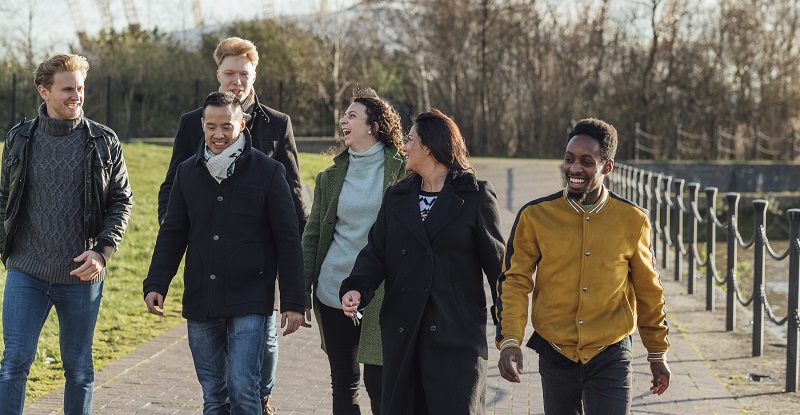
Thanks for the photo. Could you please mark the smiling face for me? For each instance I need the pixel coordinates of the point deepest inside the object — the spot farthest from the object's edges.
(236, 75)
(64, 98)
(585, 169)
(222, 126)
(418, 156)
(357, 132)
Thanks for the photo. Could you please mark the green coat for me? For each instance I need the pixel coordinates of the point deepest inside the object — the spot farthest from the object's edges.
(318, 236)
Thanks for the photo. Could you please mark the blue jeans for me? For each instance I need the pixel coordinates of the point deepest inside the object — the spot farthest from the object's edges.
(602, 386)
(269, 365)
(26, 303)
(227, 357)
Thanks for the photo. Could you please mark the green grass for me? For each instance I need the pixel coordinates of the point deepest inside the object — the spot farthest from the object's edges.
(123, 323)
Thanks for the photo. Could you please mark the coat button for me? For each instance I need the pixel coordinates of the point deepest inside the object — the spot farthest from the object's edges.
(587, 218)
(401, 330)
(588, 253)
(585, 289)
(402, 291)
(425, 290)
(213, 277)
(433, 328)
(580, 321)
(403, 251)
(585, 357)
(216, 237)
(427, 252)
(219, 198)
(580, 348)
(261, 270)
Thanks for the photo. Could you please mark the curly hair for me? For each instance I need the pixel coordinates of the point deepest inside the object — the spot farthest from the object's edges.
(601, 131)
(390, 131)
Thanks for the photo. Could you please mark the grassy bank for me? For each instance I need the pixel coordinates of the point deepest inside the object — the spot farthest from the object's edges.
(124, 323)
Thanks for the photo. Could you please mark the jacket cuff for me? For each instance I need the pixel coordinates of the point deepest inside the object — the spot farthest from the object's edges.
(657, 357)
(286, 306)
(105, 248)
(507, 343)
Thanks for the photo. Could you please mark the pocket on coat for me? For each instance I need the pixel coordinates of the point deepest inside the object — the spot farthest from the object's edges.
(245, 276)
(469, 312)
(247, 200)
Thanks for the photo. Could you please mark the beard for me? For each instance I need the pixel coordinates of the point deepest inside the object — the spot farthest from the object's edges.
(580, 197)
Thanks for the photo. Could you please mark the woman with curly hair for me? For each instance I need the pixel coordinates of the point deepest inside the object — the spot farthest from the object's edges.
(346, 201)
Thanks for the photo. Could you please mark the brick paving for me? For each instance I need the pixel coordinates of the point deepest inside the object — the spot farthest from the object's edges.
(159, 378)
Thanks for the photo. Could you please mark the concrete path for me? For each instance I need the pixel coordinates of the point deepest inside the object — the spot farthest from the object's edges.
(159, 378)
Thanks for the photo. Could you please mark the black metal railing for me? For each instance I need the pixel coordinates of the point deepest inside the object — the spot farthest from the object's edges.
(670, 206)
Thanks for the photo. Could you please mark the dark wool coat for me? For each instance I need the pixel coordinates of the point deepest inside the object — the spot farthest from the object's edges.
(272, 135)
(236, 235)
(434, 308)
(318, 237)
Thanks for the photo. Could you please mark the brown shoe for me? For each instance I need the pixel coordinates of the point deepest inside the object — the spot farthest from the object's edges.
(266, 408)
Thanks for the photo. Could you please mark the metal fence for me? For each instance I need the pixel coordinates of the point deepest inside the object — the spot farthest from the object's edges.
(720, 145)
(670, 207)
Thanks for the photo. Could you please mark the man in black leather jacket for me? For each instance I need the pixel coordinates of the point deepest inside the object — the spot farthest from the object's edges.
(271, 133)
(65, 202)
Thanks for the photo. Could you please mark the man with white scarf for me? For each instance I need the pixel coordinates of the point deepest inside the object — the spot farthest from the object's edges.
(230, 209)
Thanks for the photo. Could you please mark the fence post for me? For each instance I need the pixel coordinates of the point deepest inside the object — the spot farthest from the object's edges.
(657, 228)
(760, 207)
(677, 240)
(694, 187)
(678, 143)
(665, 229)
(755, 143)
(711, 246)
(647, 197)
(793, 322)
(636, 143)
(730, 289)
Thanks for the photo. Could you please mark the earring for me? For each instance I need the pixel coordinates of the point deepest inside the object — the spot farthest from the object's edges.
(369, 132)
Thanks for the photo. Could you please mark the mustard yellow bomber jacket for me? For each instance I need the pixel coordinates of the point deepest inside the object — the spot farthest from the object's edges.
(595, 278)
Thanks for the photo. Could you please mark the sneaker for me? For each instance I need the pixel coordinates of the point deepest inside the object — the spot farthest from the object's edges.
(266, 408)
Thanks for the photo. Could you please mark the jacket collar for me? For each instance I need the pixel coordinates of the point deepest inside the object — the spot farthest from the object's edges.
(258, 111)
(579, 208)
(458, 180)
(94, 131)
(248, 149)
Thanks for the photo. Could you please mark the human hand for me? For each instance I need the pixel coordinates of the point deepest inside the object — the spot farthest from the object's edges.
(291, 320)
(307, 321)
(350, 302)
(153, 300)
(661, 375)
(508, 370)
(93, 263)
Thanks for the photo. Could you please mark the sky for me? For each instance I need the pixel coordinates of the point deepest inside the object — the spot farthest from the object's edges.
(54, 28)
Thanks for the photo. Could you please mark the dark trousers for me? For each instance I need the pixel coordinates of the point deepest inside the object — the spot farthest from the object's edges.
(341, 342)
(601, 386)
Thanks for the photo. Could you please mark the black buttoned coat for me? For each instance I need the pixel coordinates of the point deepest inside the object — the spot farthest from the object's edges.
(236, 234)
(434, 310)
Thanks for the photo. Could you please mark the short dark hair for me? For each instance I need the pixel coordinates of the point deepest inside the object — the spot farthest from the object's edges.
(443, 137)
(603, 132)
(223, 99)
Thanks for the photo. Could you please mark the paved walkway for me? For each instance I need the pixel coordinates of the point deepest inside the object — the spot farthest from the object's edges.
(158, 378)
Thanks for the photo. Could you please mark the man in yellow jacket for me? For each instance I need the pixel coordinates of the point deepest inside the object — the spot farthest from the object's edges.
(595, 284)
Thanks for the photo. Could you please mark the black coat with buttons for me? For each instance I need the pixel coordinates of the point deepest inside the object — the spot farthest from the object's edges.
(434, 312)
(236, 235)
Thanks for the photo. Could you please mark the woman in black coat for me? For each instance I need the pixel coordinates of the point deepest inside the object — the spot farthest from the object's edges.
(436, 234)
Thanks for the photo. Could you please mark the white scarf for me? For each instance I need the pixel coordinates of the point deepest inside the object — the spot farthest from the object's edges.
(221, 165)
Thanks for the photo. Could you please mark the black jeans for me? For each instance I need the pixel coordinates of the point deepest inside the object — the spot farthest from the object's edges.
(341, 342)
(602, 386)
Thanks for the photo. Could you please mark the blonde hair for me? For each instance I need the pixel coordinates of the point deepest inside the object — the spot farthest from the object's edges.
(236, 46)
(44, 73)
